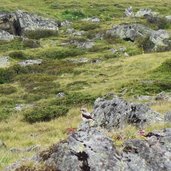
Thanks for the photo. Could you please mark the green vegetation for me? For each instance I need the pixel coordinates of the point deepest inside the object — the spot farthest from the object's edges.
(44, 113)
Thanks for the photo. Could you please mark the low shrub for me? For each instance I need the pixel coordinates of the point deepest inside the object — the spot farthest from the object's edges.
(158, 22)
(30, 43)
(37, 34)
(74, 99)
(18, 55)
(44, 113)
(60, 53)
(73, 14)
(7, 89)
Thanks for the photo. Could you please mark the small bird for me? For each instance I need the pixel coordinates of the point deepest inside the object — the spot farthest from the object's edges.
(85, 114)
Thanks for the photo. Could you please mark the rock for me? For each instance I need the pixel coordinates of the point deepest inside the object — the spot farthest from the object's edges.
(160, 38)
(93, 19)
(61, 94)
(132, 32)
(20, 107)
(129, 12)
(95, 61)
(168, 18)
(162, 96)
(87, 149)
(27, 24)
(82, 44)
(7, 22)
(126, 54)
(116, 113)
(4, 61)
(151, 154)
(30, 62)
(66, 23)
(5, 36)
(145, 98)
(167, 117)
(75, 32)
(80, 60)
(145, 12)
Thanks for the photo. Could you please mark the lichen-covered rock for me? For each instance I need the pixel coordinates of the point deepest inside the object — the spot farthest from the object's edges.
(151, 154)
(167, 117)
(145, 12)
(22, 23)
(31, 23)
(117, 112)
(5, 36)
(30, 62)
(133, 32)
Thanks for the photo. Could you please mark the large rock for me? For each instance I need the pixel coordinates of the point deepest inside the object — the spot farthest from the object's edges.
(5, 36)
(27, 24)
(151, 154)
(145, 12)
(131, 32)
(31, 22)
(117, 112)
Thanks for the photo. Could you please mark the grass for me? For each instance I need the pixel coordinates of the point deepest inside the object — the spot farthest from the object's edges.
(38, 85)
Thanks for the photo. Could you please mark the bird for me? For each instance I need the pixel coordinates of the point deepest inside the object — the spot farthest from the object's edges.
(86, 116)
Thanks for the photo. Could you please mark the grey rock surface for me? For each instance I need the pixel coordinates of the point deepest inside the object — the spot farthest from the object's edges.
(5, 36)
(132, 32)
(30, 62)
(115, 113)
(151, 154)
(144, 12)
(23, 23)
(31, 22)
(167, 117)
(4, 61)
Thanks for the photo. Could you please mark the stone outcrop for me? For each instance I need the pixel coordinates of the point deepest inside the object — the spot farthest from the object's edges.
(151, 154)
(5, 36)
(30, 22)
(117, 112)
(22, 23)
(132, 32)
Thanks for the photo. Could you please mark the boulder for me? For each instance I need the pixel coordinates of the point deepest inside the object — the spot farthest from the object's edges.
(5, 36)
(151, 154)
(4, 61)
(22, 23)
(115, 113)
(145, 12)
(132, 32)
(32, 24)
(30, 62)
(167, 117)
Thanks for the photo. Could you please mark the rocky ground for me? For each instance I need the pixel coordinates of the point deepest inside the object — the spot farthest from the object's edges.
(89, 148)
(111, 58)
